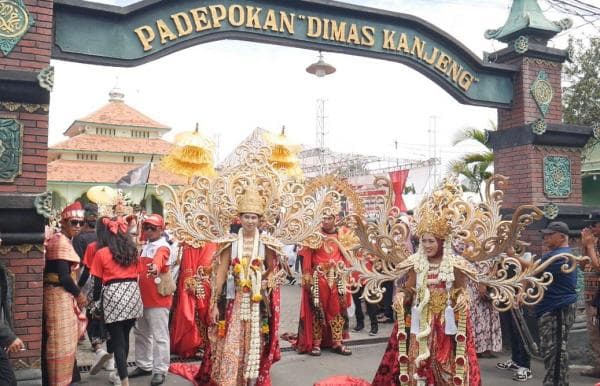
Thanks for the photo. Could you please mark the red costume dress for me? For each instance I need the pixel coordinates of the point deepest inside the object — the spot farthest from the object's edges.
(191, 304)
(323, 308)
(452, 359)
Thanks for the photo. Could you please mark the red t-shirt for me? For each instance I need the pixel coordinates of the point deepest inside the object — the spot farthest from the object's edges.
(107, 269)
(150, 296)
(88, 256)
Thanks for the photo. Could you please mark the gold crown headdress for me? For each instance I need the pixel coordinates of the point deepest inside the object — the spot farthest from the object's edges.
(436, 213)
(251, 202)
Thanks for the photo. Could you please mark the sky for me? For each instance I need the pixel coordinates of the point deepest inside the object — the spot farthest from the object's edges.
(232, 87)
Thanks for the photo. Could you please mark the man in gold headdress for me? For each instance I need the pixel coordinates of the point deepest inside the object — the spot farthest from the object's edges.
(323, 310)
(244, 341)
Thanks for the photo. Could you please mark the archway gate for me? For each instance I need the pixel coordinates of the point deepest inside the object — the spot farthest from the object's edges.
(532, 146)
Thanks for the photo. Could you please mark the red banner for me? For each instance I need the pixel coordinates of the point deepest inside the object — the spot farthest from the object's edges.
(399, 178)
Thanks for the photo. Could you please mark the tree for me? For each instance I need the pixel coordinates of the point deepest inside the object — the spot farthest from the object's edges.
(581, 98)
(474, 167)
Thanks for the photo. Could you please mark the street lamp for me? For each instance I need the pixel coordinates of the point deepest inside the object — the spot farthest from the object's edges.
(320, 68)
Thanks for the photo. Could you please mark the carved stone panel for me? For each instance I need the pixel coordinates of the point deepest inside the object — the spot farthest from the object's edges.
(11, 149)
(542, 92)
(15, 21)
(557, 177)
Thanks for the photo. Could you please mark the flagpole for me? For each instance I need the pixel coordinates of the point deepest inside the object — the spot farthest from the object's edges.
(148, 178)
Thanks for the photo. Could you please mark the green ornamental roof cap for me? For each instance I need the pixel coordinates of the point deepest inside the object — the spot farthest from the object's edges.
(526, 19)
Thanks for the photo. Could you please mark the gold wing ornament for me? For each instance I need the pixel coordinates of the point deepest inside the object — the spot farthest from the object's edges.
(205, 210)
(477, 230)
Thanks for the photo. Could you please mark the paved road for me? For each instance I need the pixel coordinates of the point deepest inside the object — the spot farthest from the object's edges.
(303, 370)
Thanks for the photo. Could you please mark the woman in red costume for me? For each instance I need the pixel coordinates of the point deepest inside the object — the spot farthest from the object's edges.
(432, 342)
(191, 318)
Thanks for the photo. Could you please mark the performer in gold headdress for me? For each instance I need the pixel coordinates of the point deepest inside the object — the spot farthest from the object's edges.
(245, 316)
(244, 337)
(434, 303)
(325, 299)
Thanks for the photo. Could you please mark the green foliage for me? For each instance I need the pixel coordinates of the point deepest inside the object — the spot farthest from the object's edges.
(581, 96)
(473, 168)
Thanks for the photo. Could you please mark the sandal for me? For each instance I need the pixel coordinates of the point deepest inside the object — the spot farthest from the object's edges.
(315, 352)
(342, 350)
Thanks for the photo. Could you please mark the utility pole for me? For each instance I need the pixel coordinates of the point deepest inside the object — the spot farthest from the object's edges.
(433, 151)
(320, 132)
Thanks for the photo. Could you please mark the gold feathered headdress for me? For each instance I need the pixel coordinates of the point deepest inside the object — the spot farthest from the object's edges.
(437, 212)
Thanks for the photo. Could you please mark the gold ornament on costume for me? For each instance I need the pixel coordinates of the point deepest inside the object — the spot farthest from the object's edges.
(476, 227)
(436, 212)
(340, 185)
(118, 205)
(191, 156)
(251, 202)
(204, 210)
(284, 154)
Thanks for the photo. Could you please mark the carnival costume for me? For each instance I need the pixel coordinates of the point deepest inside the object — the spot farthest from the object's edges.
(440, 348)
(244, 343)
(325, 298)
(189, 326)
(432, 342)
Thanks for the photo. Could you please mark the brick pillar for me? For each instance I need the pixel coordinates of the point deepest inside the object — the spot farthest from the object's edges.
(522, 154)
(25, 84)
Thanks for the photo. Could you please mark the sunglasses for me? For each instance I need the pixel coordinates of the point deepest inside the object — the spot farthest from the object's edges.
(75, 223)
(149, 228)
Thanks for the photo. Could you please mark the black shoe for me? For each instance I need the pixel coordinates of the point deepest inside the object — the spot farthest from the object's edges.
(359, 327)
(374, 330)
(157, 379)
(139, 373)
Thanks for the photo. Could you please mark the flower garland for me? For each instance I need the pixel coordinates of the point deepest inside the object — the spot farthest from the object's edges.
(460, 358)
(421, 268)
(315, 289)
(249, 272)
(403, 359)
(253, 364)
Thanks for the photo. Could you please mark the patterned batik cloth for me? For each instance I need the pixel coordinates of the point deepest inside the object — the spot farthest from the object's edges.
(484, 317)
(554, 327)
(121, 301)
(60, 334)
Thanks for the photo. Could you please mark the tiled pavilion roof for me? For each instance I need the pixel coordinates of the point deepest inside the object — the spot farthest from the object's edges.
(95, 143)
(116, 113)
(105, 172)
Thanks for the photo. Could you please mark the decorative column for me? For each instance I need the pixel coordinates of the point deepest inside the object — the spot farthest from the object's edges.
(532, 146)
(540, 154)
(25, 85)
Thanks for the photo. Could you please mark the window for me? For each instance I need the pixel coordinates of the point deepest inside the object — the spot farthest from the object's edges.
(140, 134)
(106, 131)
(129, 159)
(87, 157)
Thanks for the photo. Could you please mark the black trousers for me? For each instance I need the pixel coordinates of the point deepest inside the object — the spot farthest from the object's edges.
(519, 354)
(358, 313)
(96, 329)
(118, 344)
(7, 375)
(388, 299)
